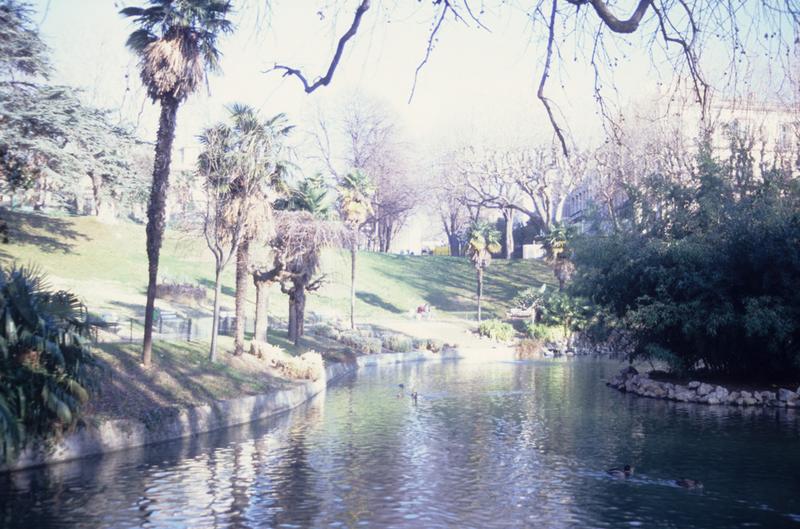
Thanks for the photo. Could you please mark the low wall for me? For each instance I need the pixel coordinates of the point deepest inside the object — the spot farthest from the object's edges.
(176, 423)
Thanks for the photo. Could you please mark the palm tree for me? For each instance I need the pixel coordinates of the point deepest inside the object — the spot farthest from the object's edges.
(483, 240)
(261, 145)
(176, 42)
(239, 169)
(354, 204)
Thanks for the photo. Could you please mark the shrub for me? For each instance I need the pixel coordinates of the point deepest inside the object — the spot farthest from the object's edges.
(397, 343)
(46, 368)
(361, 344)
(181, 292)
(496, 330)
(545, 333)
(308, 366)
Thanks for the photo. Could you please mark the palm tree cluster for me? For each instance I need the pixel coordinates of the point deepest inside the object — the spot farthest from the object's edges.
(242, 169)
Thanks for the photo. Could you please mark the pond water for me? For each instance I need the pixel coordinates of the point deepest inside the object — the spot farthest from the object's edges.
(503, 445)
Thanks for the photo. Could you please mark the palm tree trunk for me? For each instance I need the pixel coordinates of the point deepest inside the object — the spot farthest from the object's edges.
(156, 217)
(262, 311)
(212, 354)
(480, 292)
(242, 263)
(353, 286)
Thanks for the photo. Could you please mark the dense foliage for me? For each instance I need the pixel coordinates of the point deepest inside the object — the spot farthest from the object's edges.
(496, 330)
(713, 283)
(56, 151)
(46, 368)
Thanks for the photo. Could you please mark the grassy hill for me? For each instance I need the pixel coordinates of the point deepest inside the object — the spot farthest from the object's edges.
(105, 263)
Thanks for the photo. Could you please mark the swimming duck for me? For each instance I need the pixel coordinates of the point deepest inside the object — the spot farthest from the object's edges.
(624, 472)
(414, 396)
(687, 483)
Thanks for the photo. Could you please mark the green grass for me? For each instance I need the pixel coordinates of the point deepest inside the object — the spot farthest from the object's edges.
(105, 263)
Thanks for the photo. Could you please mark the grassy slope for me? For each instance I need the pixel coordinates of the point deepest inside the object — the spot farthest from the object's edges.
(106, 265)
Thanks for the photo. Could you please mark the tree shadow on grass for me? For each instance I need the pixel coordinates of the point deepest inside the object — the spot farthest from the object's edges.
(377, 301)
(227, 291)
(49, 234)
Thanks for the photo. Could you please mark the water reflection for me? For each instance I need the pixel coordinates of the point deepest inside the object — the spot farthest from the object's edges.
(505, 445)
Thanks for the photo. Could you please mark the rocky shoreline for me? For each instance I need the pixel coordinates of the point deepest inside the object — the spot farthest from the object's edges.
(629, 380)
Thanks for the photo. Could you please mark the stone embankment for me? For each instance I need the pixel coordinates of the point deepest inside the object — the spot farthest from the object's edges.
(629, 380)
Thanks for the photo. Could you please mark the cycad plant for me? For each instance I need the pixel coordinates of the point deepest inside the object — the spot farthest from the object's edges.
(176, 42)
(483, 240)
(46, 368)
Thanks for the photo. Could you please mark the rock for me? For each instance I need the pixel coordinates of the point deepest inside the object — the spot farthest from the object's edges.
(733, 397)
(792, 404)
(749, 401)
(704, 389)
(629, 371)
(746, 395)
(693, 384)
(768, 396)
(713, 399)
(721, 394)
(785, 395)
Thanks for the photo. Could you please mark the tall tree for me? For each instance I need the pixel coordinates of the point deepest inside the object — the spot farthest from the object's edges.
(261, 145)
(355, 189)
(177, 44)
(482, 241)
(236, 165)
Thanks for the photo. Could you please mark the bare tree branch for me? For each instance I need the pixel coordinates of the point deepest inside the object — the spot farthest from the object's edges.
(543, 80)
(326, 79)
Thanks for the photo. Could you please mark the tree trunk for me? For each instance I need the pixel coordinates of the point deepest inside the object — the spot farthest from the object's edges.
(292, 324)
(300, 312)
(97, 184)
(455, 244)
(508, 216)
(262, 311)
(242, 276)
(353, 286)
(156, 217)
(480, 292)
(212, 354)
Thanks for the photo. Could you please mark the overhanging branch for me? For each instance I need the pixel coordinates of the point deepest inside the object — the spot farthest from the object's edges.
(326, 79)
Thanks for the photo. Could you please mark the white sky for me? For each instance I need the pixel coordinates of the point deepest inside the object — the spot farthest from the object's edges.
(474, 80)
(477, 84)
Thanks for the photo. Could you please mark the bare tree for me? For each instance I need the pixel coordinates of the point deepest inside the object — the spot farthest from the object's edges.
(675, 31)
(365, 139)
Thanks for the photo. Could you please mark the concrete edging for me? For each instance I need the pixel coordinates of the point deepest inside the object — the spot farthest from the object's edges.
(120, 434)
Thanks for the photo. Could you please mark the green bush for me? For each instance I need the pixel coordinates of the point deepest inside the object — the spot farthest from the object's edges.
(397, 343)
(545, 333)
(712, 282)
(46, 368)
(496, 330)
(360, 344)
